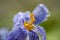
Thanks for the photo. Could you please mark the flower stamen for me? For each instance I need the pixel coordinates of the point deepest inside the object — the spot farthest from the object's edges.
(29, 25)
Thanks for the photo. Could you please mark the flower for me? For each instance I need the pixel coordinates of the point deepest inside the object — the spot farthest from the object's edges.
(26, 24)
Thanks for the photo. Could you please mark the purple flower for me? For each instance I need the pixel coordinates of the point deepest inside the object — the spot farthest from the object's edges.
(20, 32)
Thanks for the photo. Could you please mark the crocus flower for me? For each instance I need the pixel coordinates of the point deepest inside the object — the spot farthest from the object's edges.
(26, 24)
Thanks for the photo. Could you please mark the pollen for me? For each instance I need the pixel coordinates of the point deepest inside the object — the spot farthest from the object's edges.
(29, 25)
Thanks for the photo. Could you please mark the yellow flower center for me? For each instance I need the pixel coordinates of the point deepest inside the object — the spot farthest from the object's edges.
(29, 25)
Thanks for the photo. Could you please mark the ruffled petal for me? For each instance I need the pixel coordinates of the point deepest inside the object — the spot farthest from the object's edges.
(17, 34)
(33, 36)
(19, 17)
(41, 13)
(42, 32)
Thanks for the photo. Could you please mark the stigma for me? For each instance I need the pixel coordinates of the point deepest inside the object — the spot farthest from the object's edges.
(29, 25)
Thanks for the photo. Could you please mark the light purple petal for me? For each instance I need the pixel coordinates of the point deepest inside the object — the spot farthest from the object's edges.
(18, 17)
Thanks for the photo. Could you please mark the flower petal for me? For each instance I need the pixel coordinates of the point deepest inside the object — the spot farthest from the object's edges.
(17, 34)
(42, 32)
(41, 13)
(18, 17)
(33, 36)
(3, 33)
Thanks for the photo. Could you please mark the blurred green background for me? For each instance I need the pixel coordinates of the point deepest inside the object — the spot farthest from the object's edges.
(8, 8)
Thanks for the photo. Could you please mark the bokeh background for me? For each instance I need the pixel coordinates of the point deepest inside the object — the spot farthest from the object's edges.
(8, 8)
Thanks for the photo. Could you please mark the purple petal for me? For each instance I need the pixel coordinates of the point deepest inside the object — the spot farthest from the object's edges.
(17, 34)
(42, 32)
(41, 13)
(33, 36)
